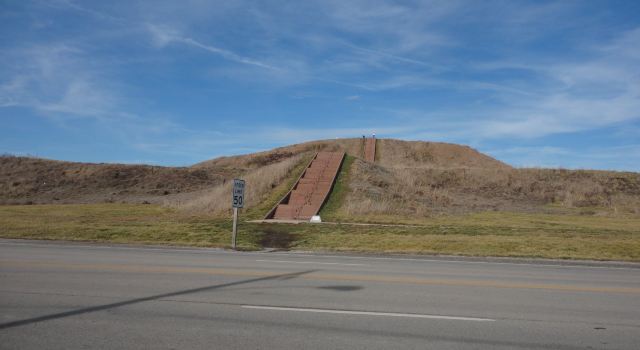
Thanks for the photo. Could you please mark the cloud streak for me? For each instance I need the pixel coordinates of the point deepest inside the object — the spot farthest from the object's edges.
(163, 36)
(497, 75)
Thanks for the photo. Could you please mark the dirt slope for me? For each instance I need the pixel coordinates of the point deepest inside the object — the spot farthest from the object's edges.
(38, 181)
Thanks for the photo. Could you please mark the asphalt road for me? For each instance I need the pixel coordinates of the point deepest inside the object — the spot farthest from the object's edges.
(72, 296)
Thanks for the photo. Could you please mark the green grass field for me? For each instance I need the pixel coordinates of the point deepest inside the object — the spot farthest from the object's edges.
(483, 234)
(339, 191)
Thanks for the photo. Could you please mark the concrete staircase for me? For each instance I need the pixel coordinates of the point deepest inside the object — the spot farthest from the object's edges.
(370, 150)
(310, 191)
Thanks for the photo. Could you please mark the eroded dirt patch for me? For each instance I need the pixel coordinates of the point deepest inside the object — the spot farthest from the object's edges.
(275, 238)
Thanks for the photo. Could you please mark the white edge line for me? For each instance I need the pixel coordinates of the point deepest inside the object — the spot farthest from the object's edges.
(309, 262)
(368, 313)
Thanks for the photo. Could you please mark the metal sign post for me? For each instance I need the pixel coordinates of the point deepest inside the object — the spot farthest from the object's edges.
(237, 202)
(235, 228)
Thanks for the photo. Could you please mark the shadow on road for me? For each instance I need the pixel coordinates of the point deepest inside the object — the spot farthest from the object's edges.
(149, 298)
(343, 288)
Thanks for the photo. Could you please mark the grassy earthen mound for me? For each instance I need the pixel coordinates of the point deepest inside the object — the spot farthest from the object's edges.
(409, 180)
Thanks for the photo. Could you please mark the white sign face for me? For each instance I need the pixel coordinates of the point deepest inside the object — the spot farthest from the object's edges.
(238, 193)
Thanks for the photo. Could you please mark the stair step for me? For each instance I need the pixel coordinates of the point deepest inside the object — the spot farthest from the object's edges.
(308, 194)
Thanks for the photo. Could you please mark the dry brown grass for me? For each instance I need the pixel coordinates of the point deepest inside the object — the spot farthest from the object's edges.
(409, 180)
(425, 192)
(397, 154)
(26, 180)
(40, 181)
(260, 182)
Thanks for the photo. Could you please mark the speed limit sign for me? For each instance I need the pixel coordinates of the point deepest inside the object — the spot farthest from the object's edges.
(237, 201)
(238, 193)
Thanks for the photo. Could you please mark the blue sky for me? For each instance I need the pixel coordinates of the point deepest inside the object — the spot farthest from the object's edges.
(532, 83)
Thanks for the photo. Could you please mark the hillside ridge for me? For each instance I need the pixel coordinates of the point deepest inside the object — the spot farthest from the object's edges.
(408, 178)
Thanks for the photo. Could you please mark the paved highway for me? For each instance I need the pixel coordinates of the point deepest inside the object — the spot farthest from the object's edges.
(71, 296)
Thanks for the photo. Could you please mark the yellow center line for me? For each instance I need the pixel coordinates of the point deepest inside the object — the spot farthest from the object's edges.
(319, 276)
(139, 268)
(472, 283)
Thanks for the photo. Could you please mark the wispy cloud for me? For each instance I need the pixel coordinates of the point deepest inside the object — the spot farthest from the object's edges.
(54, 79)
(164, 36)
(12, 93)
(499, 73)
(81, 97)
(601, 91)
(594, 157)
(56, 82)
(98, 14)
(397, 58)
(199, 145)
